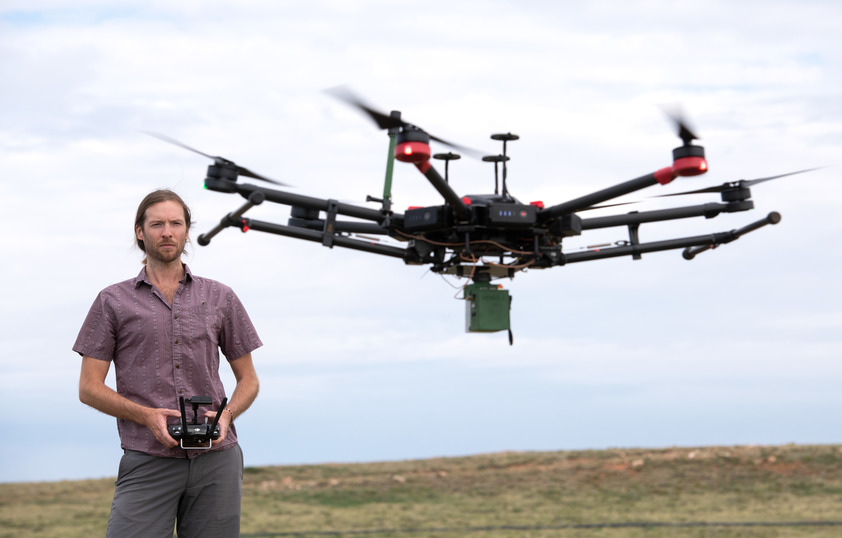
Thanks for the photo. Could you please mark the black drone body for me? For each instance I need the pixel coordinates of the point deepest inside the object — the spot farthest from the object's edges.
(480, 237)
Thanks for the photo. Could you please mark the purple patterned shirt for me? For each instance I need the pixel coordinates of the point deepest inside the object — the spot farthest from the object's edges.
(162, 351)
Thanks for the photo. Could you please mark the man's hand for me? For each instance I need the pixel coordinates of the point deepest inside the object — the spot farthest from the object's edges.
(224, 423)
(156, 421)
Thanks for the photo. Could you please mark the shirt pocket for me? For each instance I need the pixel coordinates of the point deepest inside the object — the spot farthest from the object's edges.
(207, 322)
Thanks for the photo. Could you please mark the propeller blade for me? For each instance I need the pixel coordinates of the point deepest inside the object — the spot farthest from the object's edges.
(606, 206)
(464, 149)
(241, 170)
(175, 142)
(675, 113)
(718, 188)
(740, 183)
(386, 121)
(383, 121)
(750, 182)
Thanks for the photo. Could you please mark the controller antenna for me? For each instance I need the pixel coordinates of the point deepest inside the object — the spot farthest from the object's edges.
(218, 414)
(183, 414)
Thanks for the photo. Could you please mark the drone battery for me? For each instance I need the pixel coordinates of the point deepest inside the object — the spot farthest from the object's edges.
(487, 308)
(509, 215)
(567, 226)
(422, 219)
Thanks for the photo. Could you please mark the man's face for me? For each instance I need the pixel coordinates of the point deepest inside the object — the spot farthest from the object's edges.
(164, 232)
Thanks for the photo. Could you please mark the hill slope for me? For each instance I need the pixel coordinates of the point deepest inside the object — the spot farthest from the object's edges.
(712, 491)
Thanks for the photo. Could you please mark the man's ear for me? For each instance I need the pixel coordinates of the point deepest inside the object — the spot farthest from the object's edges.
(138, 232)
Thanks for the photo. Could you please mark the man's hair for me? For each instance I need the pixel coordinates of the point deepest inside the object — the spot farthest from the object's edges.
(156, 197)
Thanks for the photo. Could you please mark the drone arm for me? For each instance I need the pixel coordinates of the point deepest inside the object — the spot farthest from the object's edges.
(708, 211)
(326, 239)
(360, 228)
(642, 248)
(343, 226)
(308, 202)
(772, 218)
(598, 197)
(444, 189)
(692, 245)
(231, 219)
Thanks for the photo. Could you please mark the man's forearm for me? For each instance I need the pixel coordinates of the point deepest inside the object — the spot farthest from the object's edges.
(94, 392)
(243, 396)
(104, 399)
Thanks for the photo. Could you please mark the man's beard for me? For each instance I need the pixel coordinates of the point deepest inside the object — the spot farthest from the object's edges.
(168, 255)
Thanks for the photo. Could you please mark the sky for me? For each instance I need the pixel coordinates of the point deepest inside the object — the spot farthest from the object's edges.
(364, 358)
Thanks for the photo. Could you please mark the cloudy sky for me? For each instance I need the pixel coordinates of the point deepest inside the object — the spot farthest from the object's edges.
(366, 359)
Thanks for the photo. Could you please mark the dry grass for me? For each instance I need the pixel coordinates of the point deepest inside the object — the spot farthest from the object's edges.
(741, 491)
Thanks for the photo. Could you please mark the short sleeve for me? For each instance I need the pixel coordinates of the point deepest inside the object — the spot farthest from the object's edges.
(97, 336)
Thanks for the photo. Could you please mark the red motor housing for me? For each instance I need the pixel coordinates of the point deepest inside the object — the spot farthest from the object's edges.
(413, 146)
(687, 161)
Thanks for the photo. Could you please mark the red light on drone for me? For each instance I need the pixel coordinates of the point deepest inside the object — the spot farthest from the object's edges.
(412, 152)
(466, 200)
(538, 204)
(245, 227)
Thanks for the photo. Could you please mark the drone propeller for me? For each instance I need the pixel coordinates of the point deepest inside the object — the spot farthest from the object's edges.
(676, 115)
(221, 161)
(387, 121)
(383, 121)
(743, 183)
(604, 206)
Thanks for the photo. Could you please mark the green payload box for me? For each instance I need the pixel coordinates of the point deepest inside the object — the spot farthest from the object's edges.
(487, 308)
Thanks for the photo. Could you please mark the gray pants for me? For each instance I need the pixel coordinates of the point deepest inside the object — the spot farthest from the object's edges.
(201, 494)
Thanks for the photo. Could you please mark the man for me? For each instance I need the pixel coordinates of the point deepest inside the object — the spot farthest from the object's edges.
(163, 331)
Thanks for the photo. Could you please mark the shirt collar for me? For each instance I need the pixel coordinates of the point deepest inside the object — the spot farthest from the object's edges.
(141, 278)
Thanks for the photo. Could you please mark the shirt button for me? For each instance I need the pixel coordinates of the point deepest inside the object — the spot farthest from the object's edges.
(176, 340)
(177, 366)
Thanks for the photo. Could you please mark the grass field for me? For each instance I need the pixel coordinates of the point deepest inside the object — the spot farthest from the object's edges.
(714, 491)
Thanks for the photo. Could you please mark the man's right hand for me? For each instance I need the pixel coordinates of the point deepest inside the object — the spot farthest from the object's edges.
(156, 421)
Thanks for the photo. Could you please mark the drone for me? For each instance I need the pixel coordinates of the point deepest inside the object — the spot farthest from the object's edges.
(481, 237)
